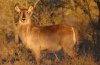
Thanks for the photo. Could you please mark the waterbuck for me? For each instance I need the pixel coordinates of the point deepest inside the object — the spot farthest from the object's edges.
(52, 37)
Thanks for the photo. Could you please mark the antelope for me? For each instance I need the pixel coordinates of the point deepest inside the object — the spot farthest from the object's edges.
(51, 38)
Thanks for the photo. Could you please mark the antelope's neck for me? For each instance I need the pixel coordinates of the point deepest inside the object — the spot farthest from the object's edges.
(24, 29)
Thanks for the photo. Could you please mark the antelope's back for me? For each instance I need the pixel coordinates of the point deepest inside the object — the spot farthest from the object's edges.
(55, 32)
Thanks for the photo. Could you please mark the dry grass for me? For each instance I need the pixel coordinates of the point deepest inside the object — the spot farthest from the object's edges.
(16, 54)
(46, 13)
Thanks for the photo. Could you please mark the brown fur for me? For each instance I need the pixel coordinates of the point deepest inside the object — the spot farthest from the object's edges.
(52, 38)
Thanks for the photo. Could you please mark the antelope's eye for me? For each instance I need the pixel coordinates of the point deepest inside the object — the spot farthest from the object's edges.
(27, 12)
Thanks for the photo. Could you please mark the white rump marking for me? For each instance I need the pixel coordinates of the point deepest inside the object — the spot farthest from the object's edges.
(74, 38)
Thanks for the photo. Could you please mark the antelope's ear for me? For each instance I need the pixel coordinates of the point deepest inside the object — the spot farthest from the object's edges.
(30, 9)
(17, 9)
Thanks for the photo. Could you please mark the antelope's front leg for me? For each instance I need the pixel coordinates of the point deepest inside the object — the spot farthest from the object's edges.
(37, 53)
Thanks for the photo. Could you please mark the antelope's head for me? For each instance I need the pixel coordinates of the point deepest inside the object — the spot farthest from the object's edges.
(24, 14)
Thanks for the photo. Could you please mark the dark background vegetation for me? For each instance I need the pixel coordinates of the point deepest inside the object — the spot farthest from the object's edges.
(84, 15)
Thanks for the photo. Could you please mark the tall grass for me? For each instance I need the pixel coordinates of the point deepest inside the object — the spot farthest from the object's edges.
(47, 12)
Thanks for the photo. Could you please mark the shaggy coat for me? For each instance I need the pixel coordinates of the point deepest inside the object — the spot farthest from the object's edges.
(52, 37)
